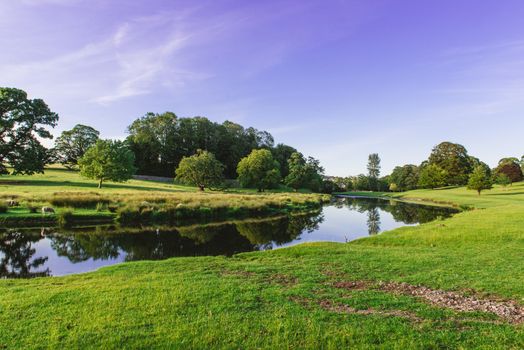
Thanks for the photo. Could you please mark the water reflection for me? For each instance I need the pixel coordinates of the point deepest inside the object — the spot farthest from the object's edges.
(32, 253)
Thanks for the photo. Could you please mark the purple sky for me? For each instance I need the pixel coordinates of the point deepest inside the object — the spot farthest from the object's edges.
(336, 79)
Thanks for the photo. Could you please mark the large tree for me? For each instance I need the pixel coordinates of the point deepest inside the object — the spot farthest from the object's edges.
(304, 173)
(454, 159)
(480, 179)
(373, 170)
(108, 160)
(259, 170)
(201, 169)
(511, 168)
(72, 144)
(404, 177)
(432, 176)
(282, 153)
(23, 122)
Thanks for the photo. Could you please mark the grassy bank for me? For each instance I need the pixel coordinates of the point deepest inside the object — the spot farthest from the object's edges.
(78, 201)
(364, 294)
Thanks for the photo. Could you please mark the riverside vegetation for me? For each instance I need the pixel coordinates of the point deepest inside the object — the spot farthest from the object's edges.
(454, 283)
(77, 200)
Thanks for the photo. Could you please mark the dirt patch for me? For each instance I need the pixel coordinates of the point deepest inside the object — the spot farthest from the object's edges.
(507, 310)
(352, 285)
(282, 280)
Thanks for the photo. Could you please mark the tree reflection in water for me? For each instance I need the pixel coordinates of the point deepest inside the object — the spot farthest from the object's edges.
(373, 221)
(17, 256)
(29, 253)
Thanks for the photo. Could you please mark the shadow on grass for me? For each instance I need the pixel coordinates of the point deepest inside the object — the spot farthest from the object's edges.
(504, 194)
(78, 184)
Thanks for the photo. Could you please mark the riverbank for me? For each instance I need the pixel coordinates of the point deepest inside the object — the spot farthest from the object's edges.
(454, 283)
(75, 201)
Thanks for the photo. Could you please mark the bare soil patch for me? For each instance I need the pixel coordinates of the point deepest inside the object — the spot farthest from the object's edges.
(507, 310)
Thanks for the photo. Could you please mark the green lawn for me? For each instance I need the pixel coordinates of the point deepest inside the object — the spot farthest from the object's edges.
(322, 295)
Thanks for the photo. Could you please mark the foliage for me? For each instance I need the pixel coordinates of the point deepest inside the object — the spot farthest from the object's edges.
(282, 153)
(258, 170)
(201, 169)
(454, 159)
(72, 144)
(304, 173)
(511, 168)
(107, 160)
(23, 123)
(480, 179)
(373, 171)
(432, 176)
(160, 141)
(502, 179)
(405, 177)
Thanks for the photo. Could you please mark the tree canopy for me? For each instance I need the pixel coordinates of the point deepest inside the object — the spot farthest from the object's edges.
(511, 168)
(304, 173)
(108, 160)
(480, 179)
(432, 176)
(454, 159)
(160, 141)
(405, 177)
(201, 169)
(72, 144)
(23, 122)
(259, 170)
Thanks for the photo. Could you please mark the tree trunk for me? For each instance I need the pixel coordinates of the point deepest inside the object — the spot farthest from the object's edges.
(479, 192)
(100, 183)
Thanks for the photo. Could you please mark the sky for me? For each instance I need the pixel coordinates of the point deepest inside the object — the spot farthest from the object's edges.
(336, 79)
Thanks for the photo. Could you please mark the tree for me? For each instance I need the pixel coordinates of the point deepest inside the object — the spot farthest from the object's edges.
(282, 153)
(511, 168)
(405, 177)
(297, 176)
(304, 173)
(201, 169)
(503, 180)
(22, 123)
(72, 144)
(432, 176)
(259, 170)
(454, 159)
(480, 179)
(108, 160)
(373, 171)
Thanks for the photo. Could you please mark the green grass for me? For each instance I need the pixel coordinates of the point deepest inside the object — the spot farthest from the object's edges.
(274, 299)
(61, 189)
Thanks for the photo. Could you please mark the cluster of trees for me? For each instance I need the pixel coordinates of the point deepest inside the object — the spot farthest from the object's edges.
(449, 164)
(204, 153)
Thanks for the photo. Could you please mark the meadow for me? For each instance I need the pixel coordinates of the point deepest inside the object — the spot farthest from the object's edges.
(454, 283)
(78, 200)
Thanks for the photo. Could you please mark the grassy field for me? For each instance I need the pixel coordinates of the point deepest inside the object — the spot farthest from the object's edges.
(384, 291)
(79, 200)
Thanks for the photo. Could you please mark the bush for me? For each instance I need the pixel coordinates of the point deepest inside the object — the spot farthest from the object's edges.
(3, 208)
(65, 217)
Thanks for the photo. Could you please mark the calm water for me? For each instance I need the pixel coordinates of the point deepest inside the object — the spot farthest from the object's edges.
(50, 251)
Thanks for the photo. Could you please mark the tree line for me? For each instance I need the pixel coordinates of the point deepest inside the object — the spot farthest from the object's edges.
(448, 164)
(195, 150)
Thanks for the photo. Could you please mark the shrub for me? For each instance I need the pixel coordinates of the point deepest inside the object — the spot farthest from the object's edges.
(65, 217)
(3, 208)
